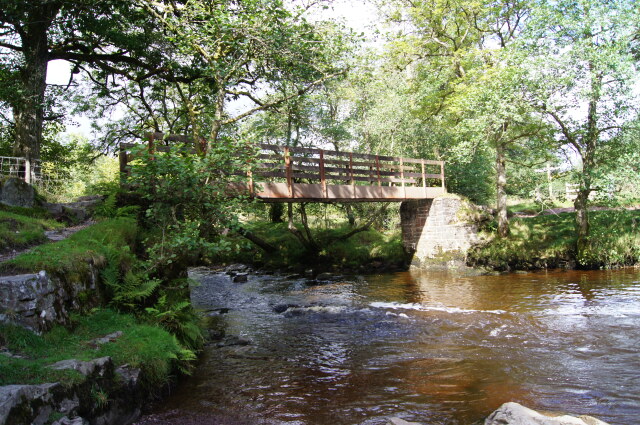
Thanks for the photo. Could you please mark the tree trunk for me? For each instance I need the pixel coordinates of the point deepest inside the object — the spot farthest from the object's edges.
(501, 194)
(28, 108)
(266, 246)
(275, 212)
(590, 142)
(351, 218)
(581, 204)
(309, 245)
(582, 221)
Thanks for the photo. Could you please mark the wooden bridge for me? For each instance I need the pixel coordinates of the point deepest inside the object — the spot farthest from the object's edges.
(297, 174)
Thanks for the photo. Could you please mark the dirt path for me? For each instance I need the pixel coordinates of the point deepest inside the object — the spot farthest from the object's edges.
(52, 236)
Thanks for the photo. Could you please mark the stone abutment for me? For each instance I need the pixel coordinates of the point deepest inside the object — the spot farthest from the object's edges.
(438, 232)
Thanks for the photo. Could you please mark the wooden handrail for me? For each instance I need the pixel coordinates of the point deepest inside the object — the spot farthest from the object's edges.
(308, 166)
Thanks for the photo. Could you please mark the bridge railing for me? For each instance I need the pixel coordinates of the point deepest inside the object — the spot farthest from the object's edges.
(295, 165)
(297, 173)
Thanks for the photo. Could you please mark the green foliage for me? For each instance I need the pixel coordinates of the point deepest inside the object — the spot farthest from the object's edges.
(109, 208)
(150, 348)
(549, 241)
(81, 169)
(353, 253)
(188, 203)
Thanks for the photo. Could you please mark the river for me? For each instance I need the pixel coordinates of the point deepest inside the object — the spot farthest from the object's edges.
(426, 346)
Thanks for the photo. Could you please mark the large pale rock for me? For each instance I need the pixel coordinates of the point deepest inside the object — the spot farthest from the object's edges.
(516, 414)
(398, 421)
(17, 193)
(97, 367)
(33, 401)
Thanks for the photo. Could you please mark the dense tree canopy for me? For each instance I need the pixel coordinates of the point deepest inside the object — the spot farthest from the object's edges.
(484, 85)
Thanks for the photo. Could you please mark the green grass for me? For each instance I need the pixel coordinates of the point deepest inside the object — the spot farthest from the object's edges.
(18, 230)
(148, 347)
(356, 251)
(548, 241)
(71, 257)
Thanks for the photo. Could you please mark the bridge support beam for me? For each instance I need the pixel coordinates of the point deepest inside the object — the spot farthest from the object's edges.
(438, 232)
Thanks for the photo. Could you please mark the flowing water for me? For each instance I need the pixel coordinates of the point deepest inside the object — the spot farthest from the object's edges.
(431, 347)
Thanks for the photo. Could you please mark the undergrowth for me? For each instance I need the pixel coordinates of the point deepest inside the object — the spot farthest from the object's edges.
(354, 252)
(126, 284)
(141, 345)
(548, 241)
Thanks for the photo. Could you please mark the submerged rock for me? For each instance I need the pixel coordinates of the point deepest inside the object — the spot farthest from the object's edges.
(281, 308)
(241, 278)
(398, 421)
(327, 277)
(516, 414)
(233, 340)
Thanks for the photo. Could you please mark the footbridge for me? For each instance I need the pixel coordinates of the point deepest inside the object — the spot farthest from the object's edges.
(433, 231)
(298, 174)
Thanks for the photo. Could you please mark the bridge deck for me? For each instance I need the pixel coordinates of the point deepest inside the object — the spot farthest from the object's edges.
(296, 174)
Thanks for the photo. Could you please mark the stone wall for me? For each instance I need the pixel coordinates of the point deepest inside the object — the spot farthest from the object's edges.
(438, 232)
(76, 404)
(38, 301)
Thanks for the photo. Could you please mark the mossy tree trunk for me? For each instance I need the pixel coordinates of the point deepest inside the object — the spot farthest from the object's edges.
(501, 193)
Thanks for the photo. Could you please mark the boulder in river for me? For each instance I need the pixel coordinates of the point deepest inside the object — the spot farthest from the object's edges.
(516, 414)
(234, 269)
(240, 278)
(327, 277)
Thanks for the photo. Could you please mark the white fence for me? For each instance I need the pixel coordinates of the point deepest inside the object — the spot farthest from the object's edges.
(12, 166)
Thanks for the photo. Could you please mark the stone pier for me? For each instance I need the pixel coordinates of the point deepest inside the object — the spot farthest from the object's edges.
(438, 232)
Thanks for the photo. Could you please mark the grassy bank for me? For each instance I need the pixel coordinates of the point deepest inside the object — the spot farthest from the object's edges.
(72, 256)
(548, 241)
(23, 227)
(354, 253)
(131, 302)
(143, 346)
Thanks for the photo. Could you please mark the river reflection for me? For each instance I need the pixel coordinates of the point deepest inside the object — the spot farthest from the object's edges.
(431, 347)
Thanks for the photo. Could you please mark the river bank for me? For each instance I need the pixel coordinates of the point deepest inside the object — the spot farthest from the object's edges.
(548, 242)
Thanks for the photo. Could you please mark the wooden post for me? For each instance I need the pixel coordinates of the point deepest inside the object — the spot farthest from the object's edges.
(323, 182)
(27, 170)
(442, 175)
(151, 145)
(424, 179)
(378, 168)
(250, 175)
(351, 181)
(404, 191)
(287, 164)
